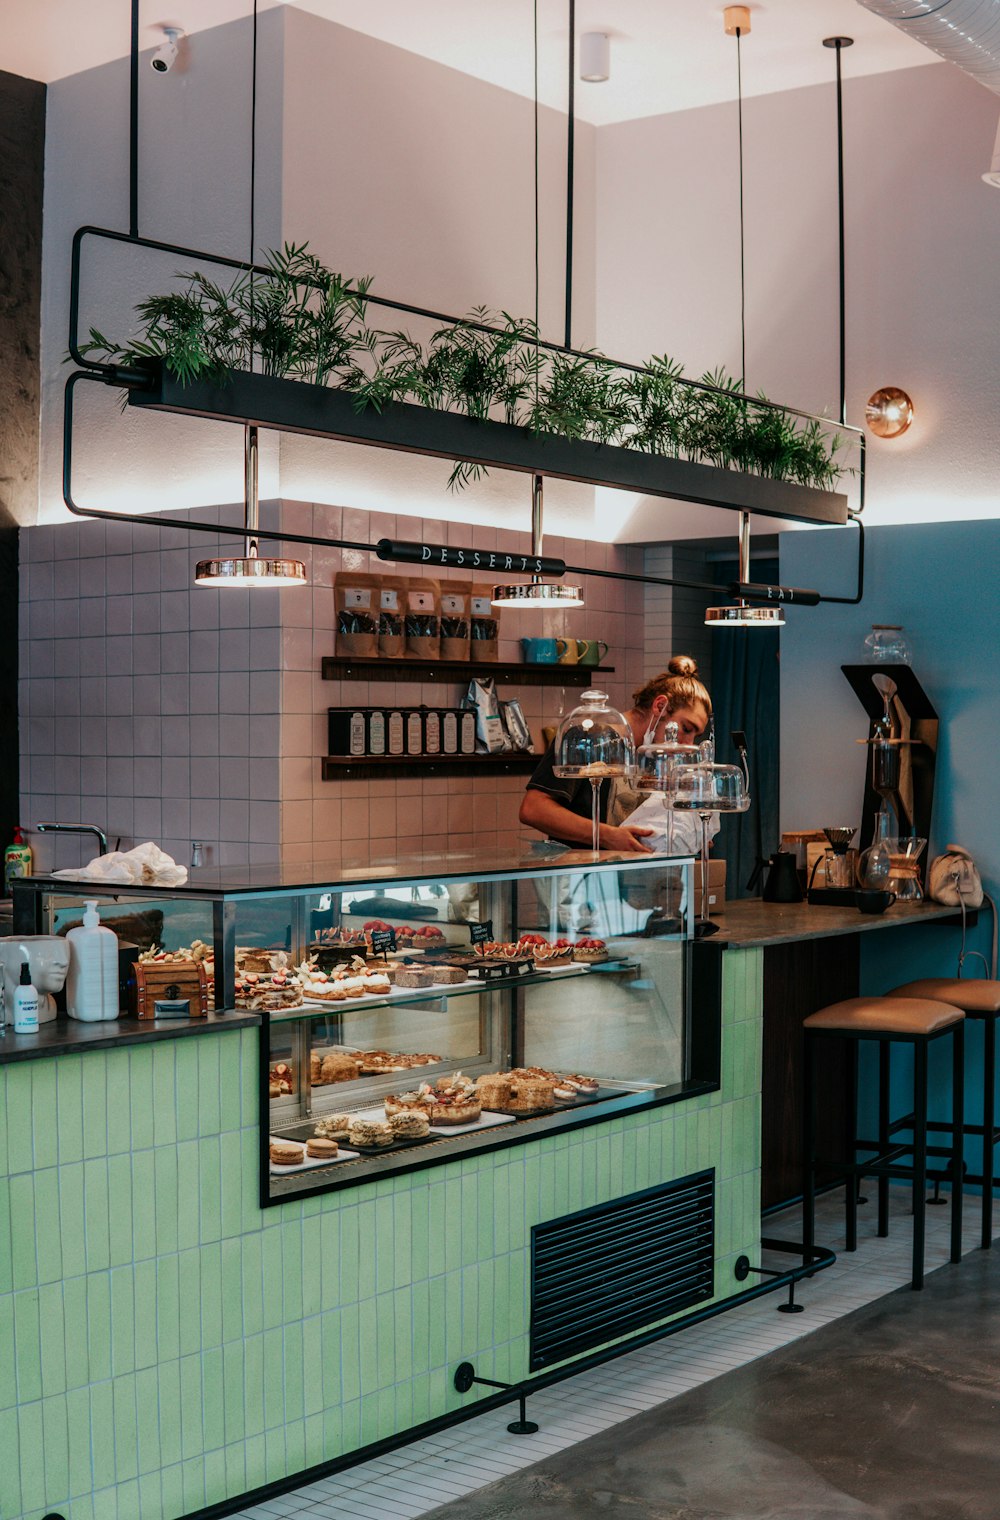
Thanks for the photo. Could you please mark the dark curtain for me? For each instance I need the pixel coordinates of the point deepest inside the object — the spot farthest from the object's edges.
(745, 695)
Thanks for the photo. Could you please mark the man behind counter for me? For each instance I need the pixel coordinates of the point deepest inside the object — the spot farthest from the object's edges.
(560, 807)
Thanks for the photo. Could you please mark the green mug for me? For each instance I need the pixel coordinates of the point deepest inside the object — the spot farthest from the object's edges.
(590, 651)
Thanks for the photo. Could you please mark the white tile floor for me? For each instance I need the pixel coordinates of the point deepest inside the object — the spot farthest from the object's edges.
(418, 1478)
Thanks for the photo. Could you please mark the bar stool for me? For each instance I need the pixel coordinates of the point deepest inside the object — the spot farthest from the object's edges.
(978, 999)
(912, 1021)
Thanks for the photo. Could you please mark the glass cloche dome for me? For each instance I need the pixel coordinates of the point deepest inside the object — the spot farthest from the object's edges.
(656, 763)
(594, 743)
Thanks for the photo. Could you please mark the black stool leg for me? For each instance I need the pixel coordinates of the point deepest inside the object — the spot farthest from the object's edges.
(808, 1147)
(958, 1136)
(853, 1175)
(884, 1052)
(919, 1158)
(989, 1121)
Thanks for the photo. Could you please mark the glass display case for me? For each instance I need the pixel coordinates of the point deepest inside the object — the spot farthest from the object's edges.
(414, 1011)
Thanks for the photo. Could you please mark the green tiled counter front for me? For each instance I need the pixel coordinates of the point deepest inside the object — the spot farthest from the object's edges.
(166, 1344)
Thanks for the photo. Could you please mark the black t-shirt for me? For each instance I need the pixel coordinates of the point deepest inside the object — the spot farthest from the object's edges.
(574, 795)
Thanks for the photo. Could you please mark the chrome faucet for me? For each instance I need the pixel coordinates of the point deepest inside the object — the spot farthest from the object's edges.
(76, 828)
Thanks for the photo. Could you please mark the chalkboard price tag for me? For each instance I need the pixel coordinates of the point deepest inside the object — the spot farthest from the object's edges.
(383, 940)
(482, 934)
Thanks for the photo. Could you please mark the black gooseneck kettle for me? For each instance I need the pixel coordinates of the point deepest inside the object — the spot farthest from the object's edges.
(781, 885)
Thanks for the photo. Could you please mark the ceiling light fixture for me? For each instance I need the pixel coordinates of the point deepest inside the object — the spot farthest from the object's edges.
(889, 412)
(250, 569)
(595, 57)
(536, 592)
(742, 615)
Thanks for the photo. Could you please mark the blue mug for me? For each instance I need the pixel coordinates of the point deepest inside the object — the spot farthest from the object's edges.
(542, 651)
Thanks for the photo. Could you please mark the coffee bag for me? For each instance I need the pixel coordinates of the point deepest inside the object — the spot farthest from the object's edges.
(423, 618)
(484, 629)
(455, 598)
(356, 612)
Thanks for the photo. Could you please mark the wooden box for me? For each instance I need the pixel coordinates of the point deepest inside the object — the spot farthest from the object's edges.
(153, 981)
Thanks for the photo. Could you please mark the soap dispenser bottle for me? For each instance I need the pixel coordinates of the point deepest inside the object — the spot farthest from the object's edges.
(25, 1004)
(92, 984)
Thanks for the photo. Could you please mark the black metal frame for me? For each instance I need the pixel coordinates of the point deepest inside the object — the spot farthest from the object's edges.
(518, 447)
(885, 1163)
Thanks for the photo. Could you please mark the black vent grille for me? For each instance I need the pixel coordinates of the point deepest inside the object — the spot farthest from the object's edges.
(609, 1270)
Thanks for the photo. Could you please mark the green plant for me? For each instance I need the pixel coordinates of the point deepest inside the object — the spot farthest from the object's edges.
(302, 320)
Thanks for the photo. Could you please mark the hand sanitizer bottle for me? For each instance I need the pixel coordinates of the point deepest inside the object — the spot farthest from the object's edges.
(25, 1004)
(92, 984)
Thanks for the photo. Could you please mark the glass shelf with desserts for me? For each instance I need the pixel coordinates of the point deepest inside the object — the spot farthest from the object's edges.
(415, 1010)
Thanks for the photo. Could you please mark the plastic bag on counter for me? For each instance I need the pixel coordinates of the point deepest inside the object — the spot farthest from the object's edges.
(516, 725)
(356, 609)
(482, 698)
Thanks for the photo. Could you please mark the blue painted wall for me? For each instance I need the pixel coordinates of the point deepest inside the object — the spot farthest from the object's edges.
(942, 582)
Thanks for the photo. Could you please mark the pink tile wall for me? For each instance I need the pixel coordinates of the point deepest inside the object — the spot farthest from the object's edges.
(161, 711)
(148, 707)
(401, 814)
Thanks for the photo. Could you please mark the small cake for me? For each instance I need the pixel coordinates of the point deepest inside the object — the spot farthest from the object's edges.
(564, 1093)
(424, 937)
(414, 976)
(585, 1085)
(530, 1093)
(336, 1066)
(385, 969)
(261, 961)
(319, 1148)
(409, 1126)
(284, 1154)
(315, 1068)
(452, 1100)
(591, 950)
(273, 993)
(494, 1090)
(282, 1074)
(333, 1127)
(369, 1132)
(448, 976)
(408, 1103)
(376, 983)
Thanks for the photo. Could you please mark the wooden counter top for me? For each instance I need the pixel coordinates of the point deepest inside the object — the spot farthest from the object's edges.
(751, 922)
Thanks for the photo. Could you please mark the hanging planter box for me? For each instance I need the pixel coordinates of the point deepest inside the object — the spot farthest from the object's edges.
(292, 406)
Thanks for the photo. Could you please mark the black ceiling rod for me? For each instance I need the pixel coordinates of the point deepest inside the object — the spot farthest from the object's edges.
(133, 127)
(570, 168)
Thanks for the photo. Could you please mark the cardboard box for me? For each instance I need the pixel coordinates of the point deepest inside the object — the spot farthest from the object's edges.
(715, 898)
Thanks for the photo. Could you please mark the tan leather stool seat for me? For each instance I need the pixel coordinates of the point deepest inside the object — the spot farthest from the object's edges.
(972, 995)
(895, 1015)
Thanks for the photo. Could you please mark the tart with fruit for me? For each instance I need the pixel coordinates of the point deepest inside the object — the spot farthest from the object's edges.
(590, 951)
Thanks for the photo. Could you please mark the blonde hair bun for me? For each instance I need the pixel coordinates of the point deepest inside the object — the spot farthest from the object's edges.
(683, 665)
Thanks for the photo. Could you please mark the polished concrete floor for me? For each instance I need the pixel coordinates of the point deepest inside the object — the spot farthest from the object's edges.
(890, 1413)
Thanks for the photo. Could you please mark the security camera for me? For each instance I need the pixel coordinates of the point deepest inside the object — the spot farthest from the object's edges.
(165, 56)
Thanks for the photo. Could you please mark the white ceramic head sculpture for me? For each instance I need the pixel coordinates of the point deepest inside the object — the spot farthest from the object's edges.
(47, 956)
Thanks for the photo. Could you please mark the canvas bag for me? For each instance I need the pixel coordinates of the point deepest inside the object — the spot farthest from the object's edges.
(953, 879)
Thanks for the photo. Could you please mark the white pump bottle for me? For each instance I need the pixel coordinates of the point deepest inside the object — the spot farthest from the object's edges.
(92, 984)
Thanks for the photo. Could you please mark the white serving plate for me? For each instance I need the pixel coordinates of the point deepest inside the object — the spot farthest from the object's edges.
(308, 1163)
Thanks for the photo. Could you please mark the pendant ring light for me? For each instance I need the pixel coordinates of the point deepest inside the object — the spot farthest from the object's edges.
(250, 569)
(538, 592)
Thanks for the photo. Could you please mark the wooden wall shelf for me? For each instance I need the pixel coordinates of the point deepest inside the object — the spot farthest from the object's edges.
(384, 767)
(347, 668)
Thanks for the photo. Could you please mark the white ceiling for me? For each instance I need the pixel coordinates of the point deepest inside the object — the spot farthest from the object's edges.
(666, 55)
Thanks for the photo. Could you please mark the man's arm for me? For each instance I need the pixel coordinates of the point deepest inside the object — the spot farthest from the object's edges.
(542, 812)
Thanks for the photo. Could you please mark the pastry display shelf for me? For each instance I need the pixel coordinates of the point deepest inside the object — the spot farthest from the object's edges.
(353, 668)
(376, 767)
(443, 992)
